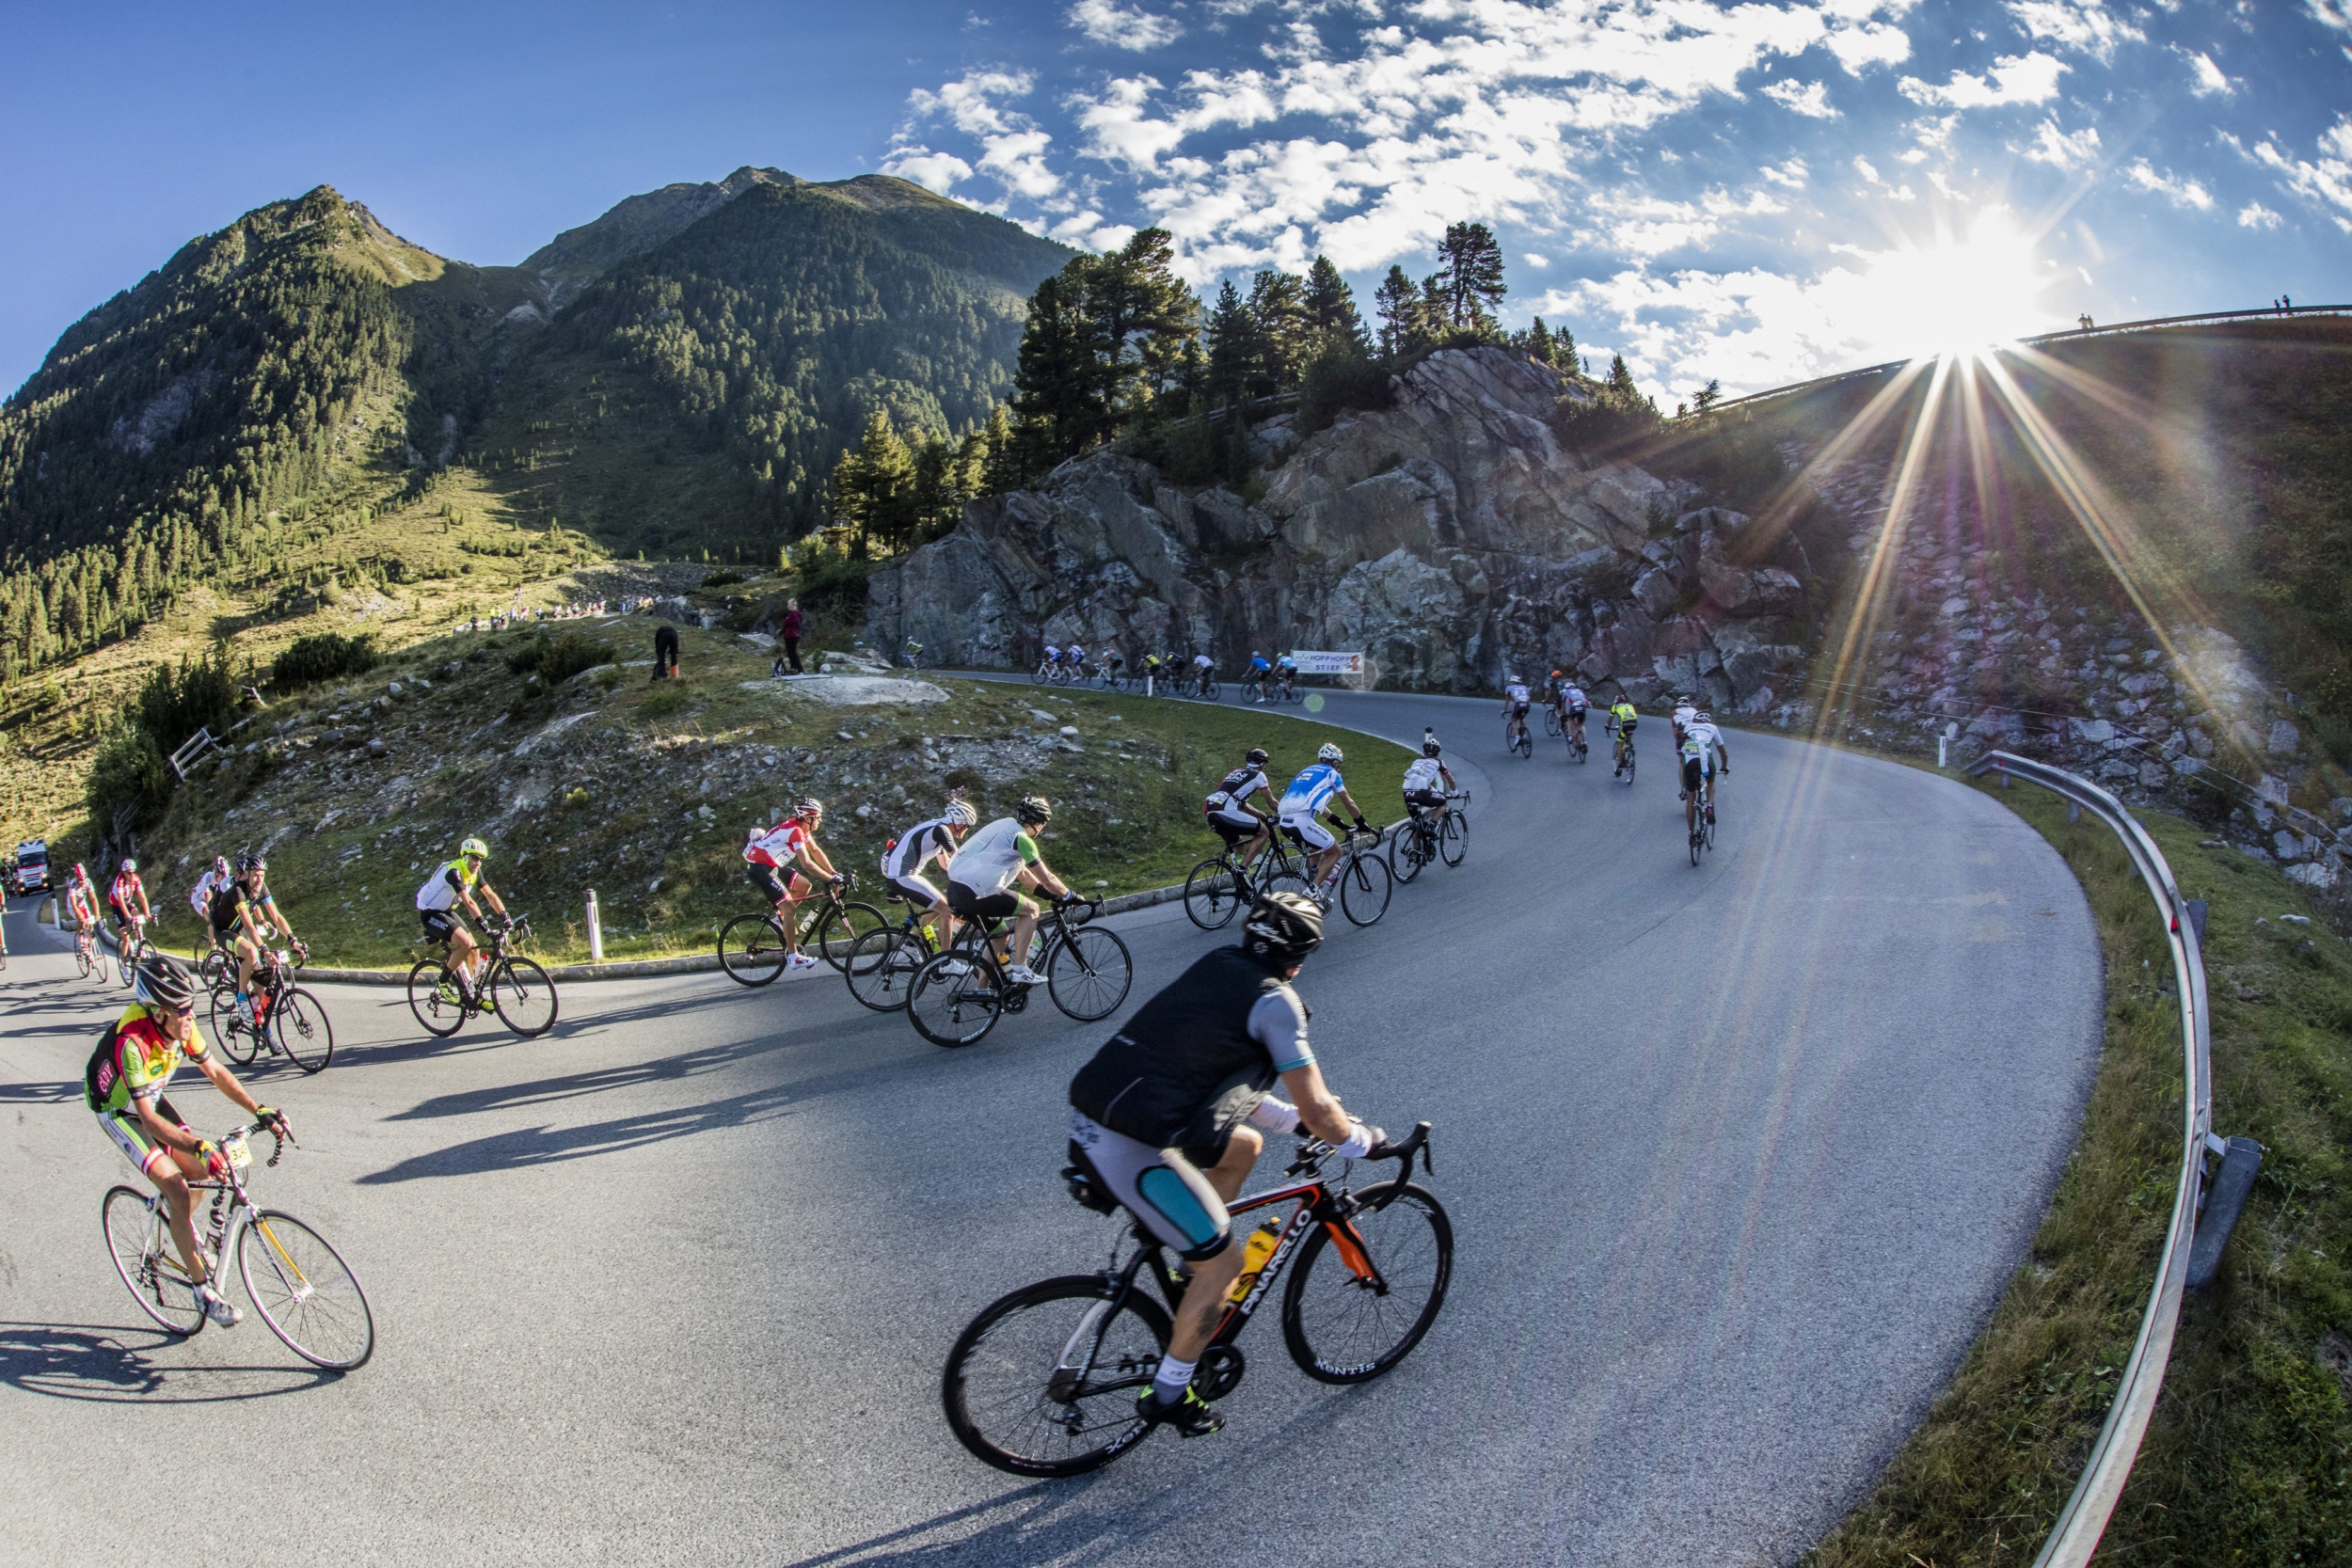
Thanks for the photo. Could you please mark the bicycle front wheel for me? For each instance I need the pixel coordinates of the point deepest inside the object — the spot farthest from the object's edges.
(1453, 838)
(1552, 721)
(142, 1247)
(299, 1024)
(881, 968)
(838, 932)
(1089, 973)
(82, 957)
(1209, 690)
(751, 949)
(523, 997)
(1382, 1276)
(955, 999)
(432, 997)
(1212, 894)
(1365, 887)
(1043, 1382)
(305, 1292)
(238, 1041)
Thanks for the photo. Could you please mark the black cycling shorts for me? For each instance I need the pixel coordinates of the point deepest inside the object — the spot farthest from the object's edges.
(1691, 771)
(1234, 833)
(1429, 798)
(765, 878)
(441, 924)
(966, 905)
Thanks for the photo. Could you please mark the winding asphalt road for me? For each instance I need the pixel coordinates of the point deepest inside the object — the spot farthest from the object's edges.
(1739, 1157)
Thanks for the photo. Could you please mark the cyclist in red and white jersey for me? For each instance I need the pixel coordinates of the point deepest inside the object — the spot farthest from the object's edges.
(778, 850)
(126, 899)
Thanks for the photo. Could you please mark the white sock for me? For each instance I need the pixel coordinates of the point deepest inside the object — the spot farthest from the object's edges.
(1173, 1378)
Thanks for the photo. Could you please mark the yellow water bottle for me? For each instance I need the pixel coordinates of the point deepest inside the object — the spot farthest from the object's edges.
(1259, 1248)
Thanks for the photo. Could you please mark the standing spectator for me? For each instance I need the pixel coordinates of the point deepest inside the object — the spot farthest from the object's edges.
(792, 633)
(665, 651)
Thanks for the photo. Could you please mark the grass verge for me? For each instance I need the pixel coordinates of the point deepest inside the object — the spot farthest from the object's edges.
(2249, 1457)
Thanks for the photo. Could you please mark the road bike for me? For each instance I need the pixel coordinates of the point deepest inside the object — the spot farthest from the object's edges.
(1442, 833)
(300, 1284)
(752, 948)
(212, 960)
(1517, 736)
(85, 958)
(1045, 1381)
(288, 1019)
(1218, 886)
(956, 998)
(130, 954)
(1623, 752)
(883, 963)
(1365, 882)
(1254, 690)
(1108, 676)
(515, 988)
(1286, 686)
(1702, 825)
(1573, 733)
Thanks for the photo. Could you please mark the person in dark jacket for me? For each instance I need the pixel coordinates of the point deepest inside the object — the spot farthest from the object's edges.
(666, 652)
(792, 633)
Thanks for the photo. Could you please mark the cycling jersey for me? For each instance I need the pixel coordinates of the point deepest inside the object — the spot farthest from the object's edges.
(1625, 715)
(125, 887)
(1075, 654)
(1572, 698)
(1310, 790)
(992, 859)
(1236, 788)
(133, 1061)
(1201, 660)
(1426, 773)
(1698, 745)
(1053, 655)
(1683, 715)
(777, 846)
(200, 896)
(1259, 666)
(1516, 691)
(230, 900)
(915, 847)
(442, 889)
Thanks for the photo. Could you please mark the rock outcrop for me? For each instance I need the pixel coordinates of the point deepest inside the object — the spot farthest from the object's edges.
(1453, 537)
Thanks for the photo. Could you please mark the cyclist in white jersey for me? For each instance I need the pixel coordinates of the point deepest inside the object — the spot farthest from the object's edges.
(1702, 743)
(913, 852)
(1076, 656)
(986, 876)
(1228, 806)
(1685, 711)
(1574, 705)
(1427, 778)
(1302, 806)
(1515, 704)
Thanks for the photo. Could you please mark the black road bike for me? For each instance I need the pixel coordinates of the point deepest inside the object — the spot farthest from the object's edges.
(285, 1017)
(883, 963)
(1220, 885)
(1045, 1380)
(956, 998)
(1518, 737)
(515, 988)
(1365, 882)
(752, 948)
(1428, 835)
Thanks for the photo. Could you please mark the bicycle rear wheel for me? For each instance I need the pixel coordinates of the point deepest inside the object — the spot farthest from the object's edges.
(1365, 888)
(955, 1006)
(1408, 853)
(1088, 973)
(523, 997)
(1340, 1325)
(1698, 842)
(82, 959)
(1552, 721)
(838, 931)
(1212, 894)
(305, 1292)
(1043, 1382)
(1453, 838)
(299, 1024)
(1209, 690)
(881, 968)
(432, 997)
(238, 1040)
(140, 1244)
(751, 949)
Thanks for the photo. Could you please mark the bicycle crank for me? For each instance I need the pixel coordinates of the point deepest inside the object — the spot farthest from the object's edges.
(1219, 1371)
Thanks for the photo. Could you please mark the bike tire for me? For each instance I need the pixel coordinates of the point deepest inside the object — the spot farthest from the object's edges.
(956, 1010)
(308, 1038)
(139, 1240)
(1453, 838)
(1366, 886)
(1706, 828)
(84, 960)
(1552, 722)
(215, 966)
(305, 1292)
(1340, 1329)
(1001, 1393)
(1212, 894)
(1699, 843)
(236, 1041)
(1090, 973)
(439, 1014)
(1037, 676)
(881, 968)
(523, 996)
(839, 930)
(1629, 770)
(1210, 691)
(751, 949)
(1407, 854)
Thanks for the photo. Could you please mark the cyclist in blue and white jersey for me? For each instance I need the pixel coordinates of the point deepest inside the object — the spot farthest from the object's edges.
(1076, 656)
(1574, 705)
(1258, 668)
(1515, 701)
(1302, 806)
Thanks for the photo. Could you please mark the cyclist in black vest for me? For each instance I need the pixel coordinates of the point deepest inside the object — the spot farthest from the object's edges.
(1172, 1113)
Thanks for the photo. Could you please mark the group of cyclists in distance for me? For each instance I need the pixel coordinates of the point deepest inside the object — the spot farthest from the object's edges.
(1265, 680)
(1699, 748)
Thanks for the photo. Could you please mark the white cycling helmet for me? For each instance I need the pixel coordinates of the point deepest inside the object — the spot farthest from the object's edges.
(960, 814)
(1330, 753)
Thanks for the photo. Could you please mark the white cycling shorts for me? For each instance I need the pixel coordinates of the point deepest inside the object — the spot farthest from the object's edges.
(1310, 829)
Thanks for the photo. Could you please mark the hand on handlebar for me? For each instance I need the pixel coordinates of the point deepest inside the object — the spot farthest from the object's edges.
(216, 1163)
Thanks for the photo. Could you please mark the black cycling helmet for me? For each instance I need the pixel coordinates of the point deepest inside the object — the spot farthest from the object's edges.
(1256, 757)
(163, 983)
(1033, 812)
(1283, 929)
(250, 862)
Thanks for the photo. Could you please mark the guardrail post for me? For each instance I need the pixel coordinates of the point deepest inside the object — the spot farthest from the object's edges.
(595, 931)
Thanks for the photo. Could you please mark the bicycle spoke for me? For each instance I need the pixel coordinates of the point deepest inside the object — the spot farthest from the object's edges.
(1344, 1326)
(523, 997)
(149, 1262)
(305, 1292)
(1089, 974)
(1043, 1382)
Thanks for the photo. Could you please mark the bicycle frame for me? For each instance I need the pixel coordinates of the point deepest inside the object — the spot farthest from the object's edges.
(223, 1231)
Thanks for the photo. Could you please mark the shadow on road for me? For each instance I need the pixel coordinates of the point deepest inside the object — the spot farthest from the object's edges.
(94, 1362)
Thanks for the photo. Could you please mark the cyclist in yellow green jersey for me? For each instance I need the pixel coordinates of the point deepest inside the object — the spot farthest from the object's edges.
(455, 882)
(1622, 717)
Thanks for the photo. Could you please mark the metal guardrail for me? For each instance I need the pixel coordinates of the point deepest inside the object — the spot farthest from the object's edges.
(2076, 1534)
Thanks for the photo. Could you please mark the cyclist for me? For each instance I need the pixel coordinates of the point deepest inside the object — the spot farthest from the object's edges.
(215, 876)
(1515, 704)
(1574, 705)
(454, 883)
(1423, 776)
(1702, 745)
(1053, 657)
(1685, 711)
(1201, 665)
(907, 856)
(81, 903)
(1622, 717)
(126, 900)
(1076, 656)
(1169, 1115)
(984, 877)
(1228, 806)
(124, 1086)
(769, 851)
(1258, 668)
(245, 910)
(1303, 803)
(1153, 670)
(1287, 669)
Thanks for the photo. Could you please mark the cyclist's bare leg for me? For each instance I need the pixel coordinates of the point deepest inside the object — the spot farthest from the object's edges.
(247, 956)
(1024, 928)
(787, 916)
(179, 1206)
(1205, 1296)
(461, 952)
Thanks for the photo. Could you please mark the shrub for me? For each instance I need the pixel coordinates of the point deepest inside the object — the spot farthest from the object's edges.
(555, 659)
(1341, 378)
(723, 577)
(329, 656)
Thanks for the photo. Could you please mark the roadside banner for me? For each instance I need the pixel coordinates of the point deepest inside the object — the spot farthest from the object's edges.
(1313, 662)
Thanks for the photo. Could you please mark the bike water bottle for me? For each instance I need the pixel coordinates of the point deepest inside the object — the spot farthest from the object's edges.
(1260, 1248)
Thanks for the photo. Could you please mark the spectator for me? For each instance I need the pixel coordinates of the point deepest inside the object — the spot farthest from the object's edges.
(665, 651)
(792, 633)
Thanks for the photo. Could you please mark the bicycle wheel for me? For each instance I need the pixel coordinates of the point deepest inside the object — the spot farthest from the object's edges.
(523, 997)
(1707, 825)
(955, 999)
(1453, 838)
(1211, 690)
(1408, 853)
(881, 968)
(432, 997)
(1552, 721)
(1342, 1326)
(1698, 842)
(838, 929)
(1088, 973)
(1043, 1382)
(215, 966)
(305, 1292)
(1212, 893)
(238, 1040)
(82, 959)
(751, 949)
(1037, 676)
(1365, 887)
(1628, 765)
(140, 1244)
(300, 1025)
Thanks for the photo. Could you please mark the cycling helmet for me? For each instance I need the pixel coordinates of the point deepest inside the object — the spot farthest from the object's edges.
(960, 814)
(164, 984)
(250, 862)
(811, 808)
(129, 865)
(1256, 757)
(1555, 674)
(1283, 929)
(1033, 811)
(1703, 717)
(1429, 747)
(1330, 753)
(475, 848)
(220, 865)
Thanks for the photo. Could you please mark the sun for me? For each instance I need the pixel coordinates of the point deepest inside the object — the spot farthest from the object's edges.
(1958, 294)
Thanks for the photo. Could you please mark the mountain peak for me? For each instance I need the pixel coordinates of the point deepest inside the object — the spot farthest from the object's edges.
(636, 224)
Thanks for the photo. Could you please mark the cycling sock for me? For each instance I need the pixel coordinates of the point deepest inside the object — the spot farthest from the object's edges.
(1172, 1379)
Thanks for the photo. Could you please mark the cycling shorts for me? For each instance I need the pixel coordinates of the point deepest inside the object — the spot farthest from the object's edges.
(1159, 1186)
(129, 1132)
(439, 924)
(1519, 710)
(966, 905)
(914, 890)
(122, 916)
(1429, 798)
(1694, 769)
(1576, 714)
(1309, 830)
(1236, 827)
(765, 878)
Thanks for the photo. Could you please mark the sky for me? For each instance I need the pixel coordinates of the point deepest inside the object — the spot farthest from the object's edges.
(1753, 193)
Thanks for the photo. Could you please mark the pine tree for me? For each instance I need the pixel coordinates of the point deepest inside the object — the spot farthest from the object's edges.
(1397, 302)
(1330, 304)
(1539, 343)
(1143, 315)
(1621, 379)
(1057, 383)
(1232, 346)
(1470, 275)
(1278, 316)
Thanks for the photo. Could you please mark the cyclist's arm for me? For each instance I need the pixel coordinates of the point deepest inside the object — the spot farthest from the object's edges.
(162, 1128)
(226, 1082)
(285, 927)
(1447, 774)
(815, 859)
(1319, 1109)
(1353, 809)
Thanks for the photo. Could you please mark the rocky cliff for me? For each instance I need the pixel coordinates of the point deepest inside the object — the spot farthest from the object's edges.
(1453, 536)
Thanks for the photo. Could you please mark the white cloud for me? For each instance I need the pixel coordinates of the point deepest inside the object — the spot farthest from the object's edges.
(1011, 147)
(938, 172)
(1866, 169)
(1539, 263)
(1863, 44)
(2179, 190)
(2207, 80)
(1792, 174)
(2085, 26)
(1809, 98)
(2327, 182)
(2053, 147)
(2331, 13)
(2014, 79)
(1122, 27)
(2255, 216)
